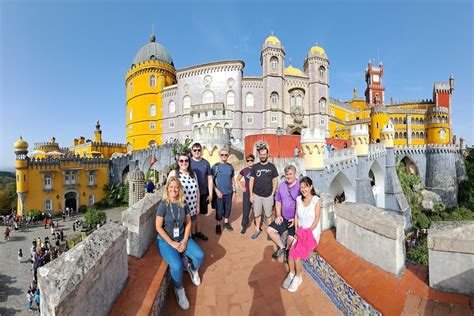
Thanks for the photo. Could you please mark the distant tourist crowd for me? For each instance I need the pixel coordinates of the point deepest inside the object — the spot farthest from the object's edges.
(290, 211)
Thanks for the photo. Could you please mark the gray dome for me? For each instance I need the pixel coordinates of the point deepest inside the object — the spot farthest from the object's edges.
(136, 175)
(153, 51)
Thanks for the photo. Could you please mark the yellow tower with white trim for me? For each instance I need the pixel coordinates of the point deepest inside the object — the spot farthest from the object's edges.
(313, 141)
(21, 166)
(360, 139)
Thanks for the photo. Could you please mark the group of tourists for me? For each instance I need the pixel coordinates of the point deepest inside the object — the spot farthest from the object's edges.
(290, 210)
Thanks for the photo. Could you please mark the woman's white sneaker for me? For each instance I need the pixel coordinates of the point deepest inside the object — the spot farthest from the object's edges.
(194, 275)
(297, 280)
(181, 298)
(288, 280)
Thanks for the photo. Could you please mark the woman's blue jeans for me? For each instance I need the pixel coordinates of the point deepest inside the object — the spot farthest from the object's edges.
(173, 258)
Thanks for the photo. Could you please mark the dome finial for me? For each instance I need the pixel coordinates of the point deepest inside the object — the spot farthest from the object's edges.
(152, 36)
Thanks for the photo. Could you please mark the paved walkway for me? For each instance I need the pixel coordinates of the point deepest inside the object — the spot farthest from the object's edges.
(15, 277)
(239, 277)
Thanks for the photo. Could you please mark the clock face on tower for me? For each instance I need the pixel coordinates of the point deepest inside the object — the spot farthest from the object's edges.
(376, 78)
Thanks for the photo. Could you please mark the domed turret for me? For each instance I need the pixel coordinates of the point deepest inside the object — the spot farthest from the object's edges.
(290, 70)
(136, 182)
(20, 145)
(153, 51)
(317, 50)
(273, 40)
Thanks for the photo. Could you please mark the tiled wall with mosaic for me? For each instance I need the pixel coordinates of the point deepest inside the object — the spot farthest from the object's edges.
(341, 293)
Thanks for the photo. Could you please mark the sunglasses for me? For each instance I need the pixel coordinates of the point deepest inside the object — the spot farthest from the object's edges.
(197, 150)
(184, 160)
(249, 160)
(224, 155)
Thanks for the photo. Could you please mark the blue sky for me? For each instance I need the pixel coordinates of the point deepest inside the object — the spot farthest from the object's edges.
(63, 62)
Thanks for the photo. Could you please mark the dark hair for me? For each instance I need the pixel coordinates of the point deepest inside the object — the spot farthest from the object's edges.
(250, 157)
(262, 148)
(196, 145)
(190, 170)
(307, 180)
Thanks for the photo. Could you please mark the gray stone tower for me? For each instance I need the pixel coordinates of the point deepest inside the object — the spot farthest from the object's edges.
(316, 66)
(136, 183)
(272, 60)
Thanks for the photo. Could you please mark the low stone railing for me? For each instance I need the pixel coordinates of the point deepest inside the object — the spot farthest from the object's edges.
(451, 256)
(376, 151)
(140, 221)
(87, 279)
(373, 234)
(340, 158)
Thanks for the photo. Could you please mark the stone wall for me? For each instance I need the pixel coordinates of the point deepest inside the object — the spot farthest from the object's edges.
(373, 234)
(451, 256)
(140, 221)
(87, 279)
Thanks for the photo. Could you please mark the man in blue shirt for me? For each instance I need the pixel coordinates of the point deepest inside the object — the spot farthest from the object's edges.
(224, 186)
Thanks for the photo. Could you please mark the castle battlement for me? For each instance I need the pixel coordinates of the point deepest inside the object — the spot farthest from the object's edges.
(389, 128)
(438, 110)
(359, 130)
(313, 135)
(376, 150)
(72, 158)
(217, 135)
(340, 159)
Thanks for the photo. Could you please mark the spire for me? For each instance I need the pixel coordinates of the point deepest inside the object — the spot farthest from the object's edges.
(97, 126)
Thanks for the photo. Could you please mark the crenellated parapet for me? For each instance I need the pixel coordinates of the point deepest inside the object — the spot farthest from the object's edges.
(337, 160)
(376, 151)
(212, 140)
(215, 67)
(431, 148)
(387, 135)
(73, 159)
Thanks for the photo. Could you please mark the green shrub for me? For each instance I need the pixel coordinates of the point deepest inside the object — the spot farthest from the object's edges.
(94, 217)
(73, 240)
(419, 253)
(35, 214)
(439, 208)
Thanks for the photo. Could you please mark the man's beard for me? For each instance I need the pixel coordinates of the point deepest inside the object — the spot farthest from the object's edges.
(264, 159)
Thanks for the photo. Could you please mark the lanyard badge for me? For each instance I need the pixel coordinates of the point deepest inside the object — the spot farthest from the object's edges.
(176, 222)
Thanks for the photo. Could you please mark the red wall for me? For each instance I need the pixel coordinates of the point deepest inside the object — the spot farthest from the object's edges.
(443, 99)
(283, 146)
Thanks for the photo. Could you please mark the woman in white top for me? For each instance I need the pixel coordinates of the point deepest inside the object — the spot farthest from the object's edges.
(189, 181)
(306, 216)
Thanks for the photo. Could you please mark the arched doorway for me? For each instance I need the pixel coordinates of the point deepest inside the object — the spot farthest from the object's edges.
(71, 200)
(377, 182)
(410, 166)
(125, 174)
(341, 189)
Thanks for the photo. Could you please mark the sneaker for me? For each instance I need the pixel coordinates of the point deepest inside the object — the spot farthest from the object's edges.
(228, 227)
(218, 230)
(201, 236)
(256, 234)
(293, 287)
(181, 298)
(278, 253)
(194, 275)
(243, 231)
(288, 280)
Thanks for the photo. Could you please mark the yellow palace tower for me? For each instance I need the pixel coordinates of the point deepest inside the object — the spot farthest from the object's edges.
(151, 71)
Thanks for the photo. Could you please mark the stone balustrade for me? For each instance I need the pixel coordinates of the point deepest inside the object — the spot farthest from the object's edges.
(340, 158)
(451, 256)
(87, 279)
(376, 150)
(372, 233)
(140, 221)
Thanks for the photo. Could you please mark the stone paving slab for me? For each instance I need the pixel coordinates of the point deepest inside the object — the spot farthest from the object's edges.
(14, 276)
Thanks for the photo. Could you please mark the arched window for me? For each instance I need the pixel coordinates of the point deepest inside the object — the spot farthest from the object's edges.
(48, 205)
(230, 98)
(152, 110)
(299, 100)
(322, 105)
(91, 199)
(249, 100)
(207, 97)
(152, 81)
(172, 107)
(377, 98)
(186, 102)
(130, 87)
(322, 72)
(274, 62)
(274, 98)
(130, 115)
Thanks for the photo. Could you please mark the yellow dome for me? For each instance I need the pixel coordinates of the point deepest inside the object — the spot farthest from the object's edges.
(317, 49)
(290, 70)
(272, 39)
(20, 144)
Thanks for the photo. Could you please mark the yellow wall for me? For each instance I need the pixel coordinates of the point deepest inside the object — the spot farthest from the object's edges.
(138, 132)
(377, 122)
(37, 195)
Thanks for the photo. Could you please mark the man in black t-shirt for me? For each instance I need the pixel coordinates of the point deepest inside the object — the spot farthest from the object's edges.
(263, 185)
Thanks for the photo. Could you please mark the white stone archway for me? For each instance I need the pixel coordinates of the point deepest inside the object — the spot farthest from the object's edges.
(341, 184)
(378, 184)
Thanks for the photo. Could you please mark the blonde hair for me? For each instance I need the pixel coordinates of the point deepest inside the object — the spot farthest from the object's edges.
(166, 197)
